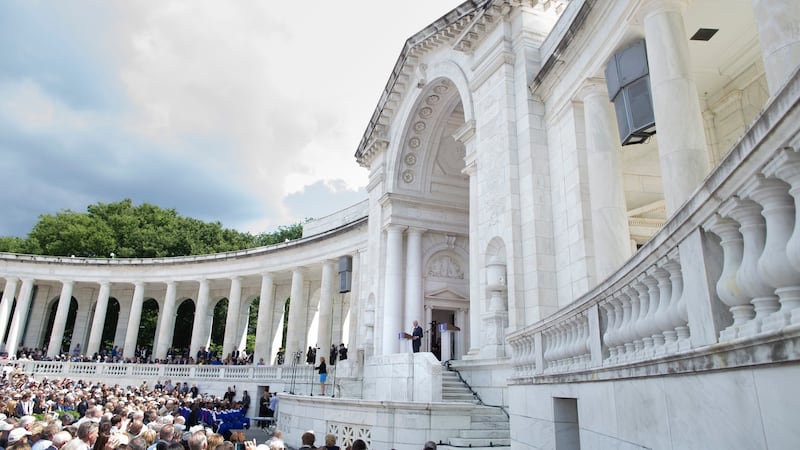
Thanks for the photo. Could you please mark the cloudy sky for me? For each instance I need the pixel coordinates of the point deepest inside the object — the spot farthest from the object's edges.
(244, 112)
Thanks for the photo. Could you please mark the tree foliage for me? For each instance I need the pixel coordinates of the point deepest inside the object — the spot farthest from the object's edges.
(129, 231)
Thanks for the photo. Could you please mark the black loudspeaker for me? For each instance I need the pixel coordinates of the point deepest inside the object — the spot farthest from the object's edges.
(345, 273)
(628, 82)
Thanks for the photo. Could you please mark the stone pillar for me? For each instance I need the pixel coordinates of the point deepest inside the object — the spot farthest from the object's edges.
(326, 304)
(295, 335)
(20, 316)
(167, 326)
(609, 213)
(199, 327)
(414, 300)
(356, 304)
(466, 135)
(99, 319)
(230, 342)
(393, 294)
(9, 291)
(266, 304)
(779, 37)
(132, 335)
(679, 122)
(60, 322)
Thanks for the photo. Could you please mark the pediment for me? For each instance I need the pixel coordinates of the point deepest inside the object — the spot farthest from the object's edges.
(444, 294)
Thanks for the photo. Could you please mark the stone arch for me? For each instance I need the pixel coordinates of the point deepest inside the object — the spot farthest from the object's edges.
(110, 323)
(148, 325)
(184, 320)
(69, 326)
(216, 336)
(428, 160)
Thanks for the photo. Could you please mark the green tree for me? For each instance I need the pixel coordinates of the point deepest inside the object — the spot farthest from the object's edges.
(130, 231)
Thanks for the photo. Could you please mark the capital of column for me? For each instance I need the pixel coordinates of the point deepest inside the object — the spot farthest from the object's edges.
(416, 230)
(653, 7)
(592, 87)
(466, 132)
(395, 228)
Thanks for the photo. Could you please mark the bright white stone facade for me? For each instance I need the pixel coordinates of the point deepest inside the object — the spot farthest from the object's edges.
(645, 296)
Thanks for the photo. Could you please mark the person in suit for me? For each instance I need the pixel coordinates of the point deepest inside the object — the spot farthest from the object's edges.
(416, 337)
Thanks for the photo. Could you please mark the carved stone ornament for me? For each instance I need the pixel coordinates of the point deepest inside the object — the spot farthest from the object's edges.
(441, 89)
(419, 127)
(426, 112)
(432, 99)
(414, 142)
(445, 266)
(411, 159)
(408, 176)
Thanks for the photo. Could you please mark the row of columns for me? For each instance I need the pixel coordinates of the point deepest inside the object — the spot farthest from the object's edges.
(681, 136)
(166, 325)
(396, 317)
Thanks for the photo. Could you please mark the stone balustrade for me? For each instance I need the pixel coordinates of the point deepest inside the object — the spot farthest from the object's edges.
(725, 269)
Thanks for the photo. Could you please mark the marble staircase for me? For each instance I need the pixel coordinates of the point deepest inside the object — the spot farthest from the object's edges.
(454, 390)
(489, 426)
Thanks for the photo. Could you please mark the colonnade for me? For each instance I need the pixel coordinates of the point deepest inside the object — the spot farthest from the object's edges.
(169, 294)
(678, 116)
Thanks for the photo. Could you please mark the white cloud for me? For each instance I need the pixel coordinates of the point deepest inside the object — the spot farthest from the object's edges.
(270, 96)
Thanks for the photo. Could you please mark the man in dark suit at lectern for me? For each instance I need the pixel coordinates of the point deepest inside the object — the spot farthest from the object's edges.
(416, 337)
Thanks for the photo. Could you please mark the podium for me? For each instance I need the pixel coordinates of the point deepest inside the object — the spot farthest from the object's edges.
(404, 335)
(446, 331)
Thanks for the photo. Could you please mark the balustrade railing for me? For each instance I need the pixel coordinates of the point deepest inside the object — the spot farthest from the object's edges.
(80, 370)
(725, 269)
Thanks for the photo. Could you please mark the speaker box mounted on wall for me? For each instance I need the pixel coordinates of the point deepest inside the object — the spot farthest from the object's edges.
(345, 273)
(628, 82)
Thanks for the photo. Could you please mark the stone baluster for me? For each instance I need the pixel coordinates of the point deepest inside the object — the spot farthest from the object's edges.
(649, 326)
(786, 166)
(639, 325)
(672, 316)
(531, 362)
(728, 288)
(630, 312)
(773, 265)
(661, 317)
(586, 339)
(547, 339)
(608, 335)
(753, 229)
(680, 315)
(619, 313)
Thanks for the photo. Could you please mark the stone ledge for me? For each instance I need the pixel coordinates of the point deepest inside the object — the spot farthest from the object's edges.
(768, 349)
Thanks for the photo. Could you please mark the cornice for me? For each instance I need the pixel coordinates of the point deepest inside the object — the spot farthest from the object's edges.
(447, 29)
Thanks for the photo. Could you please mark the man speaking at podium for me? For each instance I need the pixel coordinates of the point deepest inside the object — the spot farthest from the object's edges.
(416, 337)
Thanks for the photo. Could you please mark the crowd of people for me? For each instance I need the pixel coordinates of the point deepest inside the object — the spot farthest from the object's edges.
(66, 414)
(142, 355)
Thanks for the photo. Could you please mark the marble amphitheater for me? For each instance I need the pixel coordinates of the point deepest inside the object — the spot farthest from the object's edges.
(592, 207)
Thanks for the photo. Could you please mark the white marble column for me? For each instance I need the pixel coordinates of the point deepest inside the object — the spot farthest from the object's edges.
(466, 135)
(295, 335)
(356, 304)
(99, 319)
(60, 322)
(414, 299)
(166, 328)
(20, 316)
(266, 304)
(679, 122)
(200, 313)
(9, 292)
(326, 304)
(779, 37)
(393, 293)
(609, 213)
(132, 335)
(230, 342)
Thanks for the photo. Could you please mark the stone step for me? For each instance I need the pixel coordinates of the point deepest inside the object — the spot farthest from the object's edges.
(466, 442)
(496, 425)
(488, 417)
(448, 447)
(485, 434)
